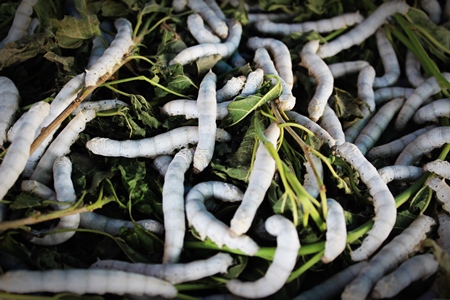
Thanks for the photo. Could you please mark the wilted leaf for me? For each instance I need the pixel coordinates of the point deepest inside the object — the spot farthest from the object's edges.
(66, 62)
(71, 32)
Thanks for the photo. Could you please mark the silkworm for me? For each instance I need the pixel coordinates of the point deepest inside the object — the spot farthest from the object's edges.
(80, 281)
(433, 10)
(389, 256)
(99, 105)
(19, 150)
(179, 5)
(330, 122)
(418, 267)
(9, 104)
(423, 144)
(100, 44)
(22, 19)
(373, 130)
(388, 93)
(253, 83)
(254, 17)
(340, 69)
(322, 75)
(189, 109)
(333, 286)
(173, 205)
(412, 69)
(444, 231)
(364, 29)
(113, 55)
(383, 201)
(442, 190)
(428, 88)
(225, 49)
(439, 167)
(325, 25)
(61, 145)
(164, 143)
(398, 172)
(198, 30)
(259, 181)
(207, 225)
(173, 273)
(396, 146)
(161, 163)
(336, 235)
(388, 59)
(310, 183)
(218, 25)
(216, 8)
(207, 112)
(283, 263)
(431, 112)
(39, 189)
(230, 89)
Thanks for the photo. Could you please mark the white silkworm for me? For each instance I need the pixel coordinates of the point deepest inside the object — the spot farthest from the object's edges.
(433, 10)
(431, 112)
(36, 188)
(444, 232)
(383, 201)
(283, 263)
(179, 5)
(99, 105)
(398, 172)
(396, 146)
(330, 122)
(81, 281)
(442, 190)
(254, 17)
(189, 109)
(216, 8)
(161, 163)
(198, 30)
(388, 59)
(22, 19)
(424, 144)
(173, 205)
(100, 44)
(113, 55)
(173, 273)
(336, 235)
(253, 83)
(393, 253)
(258, 183)
(439, 167)
(19, 150)
(418, 267)
(412, 69)
(230, 89)
(225, 49)
(164, 143)
(112, 226)
(371, 133)
(61, 145)
(207, 225)
(325, 25)
(9, 104)
(218, 25)
(364, 29)
(322, 75)
(340, 69)
(207, 112)
(428, 88)
(310, 183)
(388, 93)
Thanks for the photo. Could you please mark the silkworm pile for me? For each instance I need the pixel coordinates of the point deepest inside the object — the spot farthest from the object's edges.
(195, 149)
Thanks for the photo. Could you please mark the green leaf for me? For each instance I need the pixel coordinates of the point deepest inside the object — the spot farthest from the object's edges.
(71, 32)
(227, 172)
(243, 155)
(144, 111)
(25, 200)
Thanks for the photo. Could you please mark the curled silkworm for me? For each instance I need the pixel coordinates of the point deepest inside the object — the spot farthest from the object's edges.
(283, 263)
(322, 75)
(442, 190)
(431, 112)
(392, 254)
(389, 60)
(258, 183)
(99, 105)
(418, 267)
(189, 109)
(253, 83)
(161, 163)
(364, 29)
(433, 10)
(310, 183)
(336, 236)
(230, 89)
(22, 19)
(439, 167)
(217, 24)
(198, 30)
(330, 122)
(9, 104)
(399, 172)
(340, 69)
(207, 225)
(412, 69)
(173, 273)
(164, 143)
(80, 281)
(388, 93)
(383, 201)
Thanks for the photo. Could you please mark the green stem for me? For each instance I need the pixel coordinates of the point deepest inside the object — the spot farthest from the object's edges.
(306, 266)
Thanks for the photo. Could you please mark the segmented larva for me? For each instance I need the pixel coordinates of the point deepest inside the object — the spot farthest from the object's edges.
(383, 201)
(412, 69)
(333, 286)
(100, 44)
(444, 232)
(36, 188)
(330, 122)
(99, 105)
(428, 88)
(258, 183)
(431, 112)
(9, 104)
(161, 163)
(189, 109)
(173, 205)
(418, 267)
(310, 183)
(371, 133)
(322, 75)
(207, 225)
(325, 25)
(230, 89)
(80, 281)
(424, 144)
(173, 273)
(388, 59)
(19, 150)
(283, 263)
(388, 93)
(433, 10)
(218, 25)
(22, 19)
(392, 254)
(216, 8)
(225, 49)
(336, 235)
(197, 28)
(398, 172)
(364, 29)
(396, 146)
(113, 55)
(253, 83)
(254, 17)
(164, 143)
(179, 5)
(439, 167)
(442, 190)
(340, 69)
